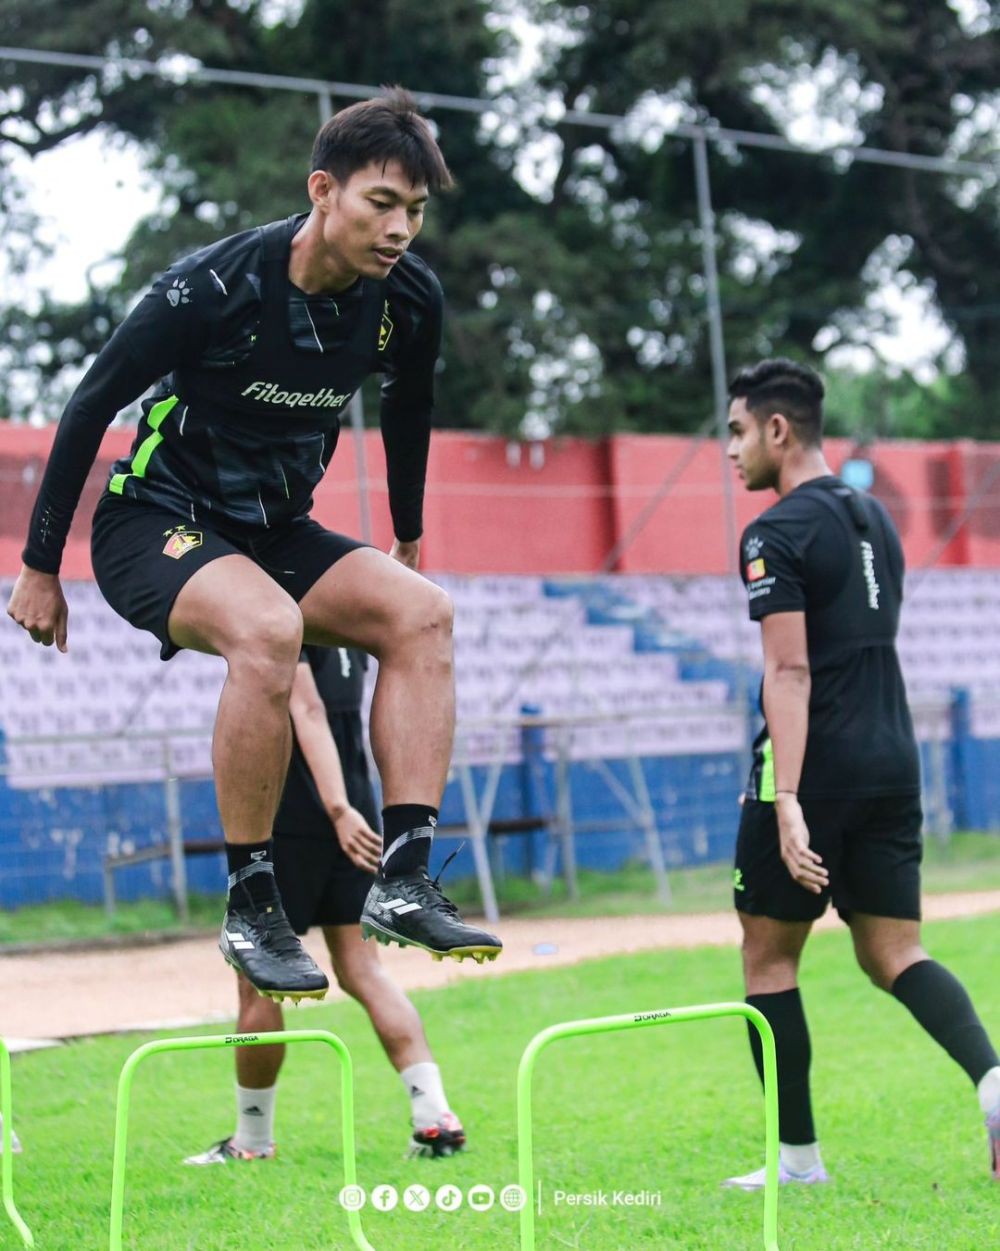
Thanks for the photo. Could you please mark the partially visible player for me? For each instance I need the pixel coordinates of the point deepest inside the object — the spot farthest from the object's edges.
(15, 1142)
(326, 852)
(832, 807)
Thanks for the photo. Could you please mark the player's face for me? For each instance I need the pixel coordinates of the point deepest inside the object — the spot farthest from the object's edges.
(748, 448)
(372, 219)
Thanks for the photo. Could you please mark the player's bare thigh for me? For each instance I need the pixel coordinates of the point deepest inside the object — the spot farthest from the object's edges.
(369, 600)
(230, 603)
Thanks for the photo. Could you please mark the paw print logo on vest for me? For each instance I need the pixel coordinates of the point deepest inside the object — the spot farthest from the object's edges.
(178, 293)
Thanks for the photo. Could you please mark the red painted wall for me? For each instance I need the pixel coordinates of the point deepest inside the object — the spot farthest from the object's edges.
(654, 503)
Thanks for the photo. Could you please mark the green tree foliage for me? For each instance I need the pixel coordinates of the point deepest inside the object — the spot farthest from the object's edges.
(800, 238)
(580, 306)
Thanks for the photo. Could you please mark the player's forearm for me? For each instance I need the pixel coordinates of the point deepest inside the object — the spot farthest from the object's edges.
(114, 381)
(786, 709)
(406, 436)
(74, 451)
(317, 745)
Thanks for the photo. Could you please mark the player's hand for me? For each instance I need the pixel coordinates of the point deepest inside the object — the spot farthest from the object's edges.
(361, 845)
(804, 864)
(38, 605)
(407, 554)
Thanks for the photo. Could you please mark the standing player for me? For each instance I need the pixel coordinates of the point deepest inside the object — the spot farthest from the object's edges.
(203, 536)
(832, 807)
(325, 852)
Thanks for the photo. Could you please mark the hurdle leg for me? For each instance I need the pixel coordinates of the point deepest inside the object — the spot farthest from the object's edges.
(212, 1042)
(7, 1160)
(640, 1020)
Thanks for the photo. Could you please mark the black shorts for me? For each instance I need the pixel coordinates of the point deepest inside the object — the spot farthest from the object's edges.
(143, 555)
(870, 845)
(318, 883)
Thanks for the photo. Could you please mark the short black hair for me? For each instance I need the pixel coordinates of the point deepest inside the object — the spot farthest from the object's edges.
(387, 128)
(780, 385)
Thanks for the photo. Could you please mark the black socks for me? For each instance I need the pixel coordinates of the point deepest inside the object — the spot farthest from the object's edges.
(941, 1004)
(785, 1015)
(936, 998)
(407, 834)
(251, 873)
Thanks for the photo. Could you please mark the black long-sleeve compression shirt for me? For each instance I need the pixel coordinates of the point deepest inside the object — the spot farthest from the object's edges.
(251, 378)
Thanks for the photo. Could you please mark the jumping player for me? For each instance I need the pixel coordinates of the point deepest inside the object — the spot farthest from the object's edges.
(325, 853)
(832, 807)
(203, 536)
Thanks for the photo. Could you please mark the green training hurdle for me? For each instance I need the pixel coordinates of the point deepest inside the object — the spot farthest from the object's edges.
(211, 1041)
(639, 1020)
(7, 1160)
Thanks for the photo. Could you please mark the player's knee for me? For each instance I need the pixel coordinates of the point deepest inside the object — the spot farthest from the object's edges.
(877, 964)
(868, 964)
(428, 618)
(348, 983)
(880, 975)
(257, 1013)
(268, 646)
(351, 978)
(436, 612)
(883, 967)
(766, 967)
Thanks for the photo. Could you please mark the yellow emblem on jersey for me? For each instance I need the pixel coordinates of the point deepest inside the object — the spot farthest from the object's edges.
(182, 541)
(755, 570)
(385, 329)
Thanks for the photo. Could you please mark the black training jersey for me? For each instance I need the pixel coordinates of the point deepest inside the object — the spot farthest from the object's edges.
(834, 554)
(253, 378)
(339, 673)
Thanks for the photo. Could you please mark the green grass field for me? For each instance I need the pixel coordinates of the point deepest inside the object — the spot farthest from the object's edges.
(671, 1110)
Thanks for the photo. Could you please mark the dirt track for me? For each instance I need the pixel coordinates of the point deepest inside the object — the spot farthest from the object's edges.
(182, 983)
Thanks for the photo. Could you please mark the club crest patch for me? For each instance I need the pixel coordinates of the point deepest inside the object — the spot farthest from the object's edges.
(181, 541)
(385, 329)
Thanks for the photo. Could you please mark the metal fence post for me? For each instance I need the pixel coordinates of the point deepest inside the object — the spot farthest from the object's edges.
(961, 760)
(564, 810)
(175, 833)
